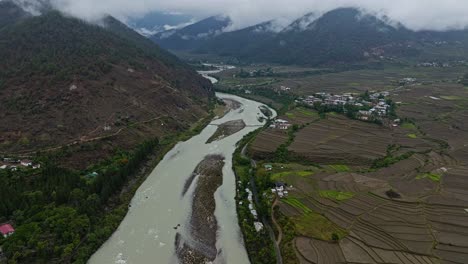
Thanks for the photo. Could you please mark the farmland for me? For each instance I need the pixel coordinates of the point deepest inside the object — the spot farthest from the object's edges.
(360, 192)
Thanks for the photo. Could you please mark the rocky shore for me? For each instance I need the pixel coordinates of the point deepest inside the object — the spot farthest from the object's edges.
(226, 129)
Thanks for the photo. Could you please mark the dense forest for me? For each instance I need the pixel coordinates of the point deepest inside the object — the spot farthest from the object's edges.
(61, 215)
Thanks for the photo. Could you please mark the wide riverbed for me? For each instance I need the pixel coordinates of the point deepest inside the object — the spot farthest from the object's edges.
(148, 232)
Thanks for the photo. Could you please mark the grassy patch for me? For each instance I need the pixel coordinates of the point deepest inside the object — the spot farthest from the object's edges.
(340, 168)
(413, 136)
(317, 226)
(279, 175)
(431, 176)
(219, 110)
(409, 126)
(307, 112)
(336, 195)
(451, 97)
(294, 202)
(290, 115)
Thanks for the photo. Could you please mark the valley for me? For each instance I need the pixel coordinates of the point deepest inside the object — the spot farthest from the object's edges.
(355, 191)
(233, 132)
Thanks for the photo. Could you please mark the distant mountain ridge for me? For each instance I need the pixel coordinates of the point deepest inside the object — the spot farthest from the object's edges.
(345, 35)
(192, 35)
(157, 22)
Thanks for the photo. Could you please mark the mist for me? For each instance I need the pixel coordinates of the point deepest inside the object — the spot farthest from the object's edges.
(414, 14)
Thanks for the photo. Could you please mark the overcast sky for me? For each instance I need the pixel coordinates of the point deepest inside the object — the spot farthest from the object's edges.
(415, 14)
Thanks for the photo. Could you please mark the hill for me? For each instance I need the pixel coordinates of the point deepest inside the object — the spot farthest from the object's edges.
(95, 106)
(63, 80)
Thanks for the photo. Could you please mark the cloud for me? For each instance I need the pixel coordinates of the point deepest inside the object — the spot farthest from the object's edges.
(415, 14)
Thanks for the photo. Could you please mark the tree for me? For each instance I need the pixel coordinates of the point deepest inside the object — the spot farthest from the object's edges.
(335, 237)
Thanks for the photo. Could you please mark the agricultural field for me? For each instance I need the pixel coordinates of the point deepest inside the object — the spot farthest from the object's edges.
(304, 81)
(367, 193)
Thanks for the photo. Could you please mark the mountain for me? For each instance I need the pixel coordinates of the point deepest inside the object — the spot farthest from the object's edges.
(10, 13)
(156, 22)
(303, 23)
(192, 36)
(239, 43)
(341, 36)
(63, 80)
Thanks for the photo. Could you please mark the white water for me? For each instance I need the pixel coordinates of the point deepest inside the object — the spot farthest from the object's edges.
(147, 233)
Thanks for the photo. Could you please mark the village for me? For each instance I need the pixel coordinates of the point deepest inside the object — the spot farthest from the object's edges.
(14, 164)
(369, 107)
(279, 190)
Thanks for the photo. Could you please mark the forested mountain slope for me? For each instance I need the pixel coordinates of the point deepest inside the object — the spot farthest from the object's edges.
(61, 78)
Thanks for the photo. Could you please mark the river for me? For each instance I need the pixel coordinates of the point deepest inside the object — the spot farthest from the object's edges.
(147, 233)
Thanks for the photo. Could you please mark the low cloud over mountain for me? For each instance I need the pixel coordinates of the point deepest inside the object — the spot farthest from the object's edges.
(414, 14)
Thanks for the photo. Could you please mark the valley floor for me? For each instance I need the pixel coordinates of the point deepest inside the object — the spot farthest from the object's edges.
(359, 192)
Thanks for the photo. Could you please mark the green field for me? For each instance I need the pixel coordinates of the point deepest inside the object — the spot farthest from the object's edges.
(409, 126)
(317, 226)
(294, 202)
(340, 168)
(307, 112)
(336, 195)
(413, 136)
(451, 97)
(431, 176)
(280, 175)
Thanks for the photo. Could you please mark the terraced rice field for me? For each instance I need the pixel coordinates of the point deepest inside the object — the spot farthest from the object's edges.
(378, 229)
(409, 210)
(267, 142)
(338, 140)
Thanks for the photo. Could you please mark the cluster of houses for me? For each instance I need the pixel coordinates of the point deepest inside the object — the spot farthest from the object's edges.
(14, 164)
(280, 189)
(375, 105)
(433, 65)
(285, 88)
(407, 81)
(332, 99)
(281, 124)
(258, 225)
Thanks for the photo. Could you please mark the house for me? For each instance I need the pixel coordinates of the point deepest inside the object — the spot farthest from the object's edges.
(281, 121)
(284, 126)
(26, 163)
(268, 167)
(6, 230)
(248, 92)
(254, 213)
(3, 167)
(93, 174)
(258, 226)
